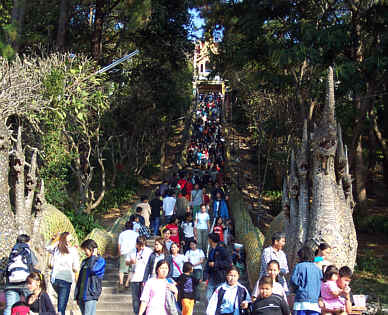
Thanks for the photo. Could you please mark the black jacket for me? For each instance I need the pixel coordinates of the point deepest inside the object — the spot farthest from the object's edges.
(241, 296)
(43, 305)
(222, 261)
(272, 305)
(187, 286)
(150, 266)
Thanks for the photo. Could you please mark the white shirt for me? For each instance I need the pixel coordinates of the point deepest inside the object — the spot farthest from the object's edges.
(179, 260)
(195, 256)
(127, 241)
(188, 229)
(136, 226)
(141, 258)
(64, 264)
(229, 301)
(202, 220)
(169, 205)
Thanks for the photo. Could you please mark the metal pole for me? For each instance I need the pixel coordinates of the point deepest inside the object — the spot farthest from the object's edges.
(117, 62)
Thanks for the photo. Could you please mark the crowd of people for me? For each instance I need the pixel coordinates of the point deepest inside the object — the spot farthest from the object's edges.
(189, 217)
(26, 288)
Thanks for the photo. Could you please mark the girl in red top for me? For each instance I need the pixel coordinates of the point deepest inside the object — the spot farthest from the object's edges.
(219, 228)
(174, 229)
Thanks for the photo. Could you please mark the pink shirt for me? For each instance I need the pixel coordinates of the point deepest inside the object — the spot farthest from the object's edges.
(154, 294)
(331, 301)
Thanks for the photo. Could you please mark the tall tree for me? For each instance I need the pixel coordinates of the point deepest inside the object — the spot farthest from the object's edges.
(62, 24)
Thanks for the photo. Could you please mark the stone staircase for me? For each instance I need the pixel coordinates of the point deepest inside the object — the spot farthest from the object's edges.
(113, 302)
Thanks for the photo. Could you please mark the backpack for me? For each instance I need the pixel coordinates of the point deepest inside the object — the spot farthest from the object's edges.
(19, 264)
(144, 231)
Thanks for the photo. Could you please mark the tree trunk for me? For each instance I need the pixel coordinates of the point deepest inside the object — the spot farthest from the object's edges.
(17, 20)
(98, 28)
(384, 146)
(62, 24)
(7, 220)
(95, 204)
(372, 149)
(360, 178)
(385, 122)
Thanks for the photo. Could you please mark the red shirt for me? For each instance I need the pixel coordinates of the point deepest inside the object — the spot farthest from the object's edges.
(174, 232)
(189, 188)
(206, 199)
(218, 229)
(182, 183)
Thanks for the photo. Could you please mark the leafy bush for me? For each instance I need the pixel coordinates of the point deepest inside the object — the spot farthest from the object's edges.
(83, 223)
(121, 194)
(114, 198)
(273, 199)
(376, 223)
(369, 263)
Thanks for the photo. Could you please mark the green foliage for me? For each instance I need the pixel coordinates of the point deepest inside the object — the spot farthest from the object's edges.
(273, 199)
(6, 32)
(118, 196)
(83, 223)
(368, 262)
(376, 223)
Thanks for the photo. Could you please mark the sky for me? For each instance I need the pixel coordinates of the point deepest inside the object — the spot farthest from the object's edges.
(198, 22)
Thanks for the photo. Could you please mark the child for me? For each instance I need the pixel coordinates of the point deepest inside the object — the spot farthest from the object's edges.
(306, 281)
(166, 236)
(140, 228)
(202, 227)
(135, 219)
(20, 308)
(332, 294)
(219, 228)
(188, 231)
(139, 211)
(88, 287)
(273, 270)
(345, 276)
(39, 301)
(268, 303)
(187, 286)
(238, 256)
(196, 257)
(174, 229)
(230, 297)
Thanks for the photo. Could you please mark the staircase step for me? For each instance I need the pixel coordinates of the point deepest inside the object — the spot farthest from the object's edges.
(119, 298)
(117, 312)
(111, 276)
(114, 290)
(112, 306)
(109, 283)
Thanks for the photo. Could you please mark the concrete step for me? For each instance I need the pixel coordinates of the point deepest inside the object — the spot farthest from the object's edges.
(117, 312)
(112, 277)
(115, 298)
(109, 283)
(114, 290)
(114, 306)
